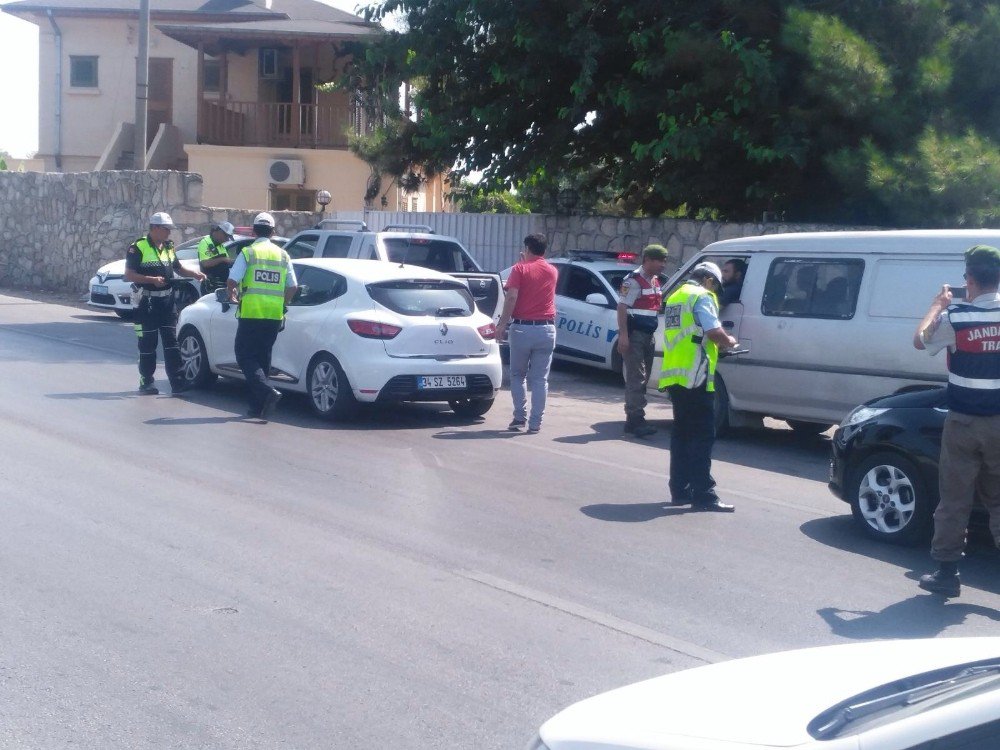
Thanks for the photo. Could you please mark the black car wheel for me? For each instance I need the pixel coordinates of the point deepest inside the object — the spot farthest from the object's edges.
(890, 500)
(194, 358)
(330, 395)
(471, 407)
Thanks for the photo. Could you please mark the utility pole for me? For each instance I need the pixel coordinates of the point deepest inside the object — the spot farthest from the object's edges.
(141, 87)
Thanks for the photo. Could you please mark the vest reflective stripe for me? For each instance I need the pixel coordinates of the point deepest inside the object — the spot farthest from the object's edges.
(263, 284)
(155, 262)
(974, 365)
(683, 358)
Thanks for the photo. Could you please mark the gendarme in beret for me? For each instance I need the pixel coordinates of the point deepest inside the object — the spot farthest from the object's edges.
(655, 252)
(983, 255)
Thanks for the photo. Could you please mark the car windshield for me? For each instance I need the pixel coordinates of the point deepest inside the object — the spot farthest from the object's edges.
(424, 297)
(440, 255)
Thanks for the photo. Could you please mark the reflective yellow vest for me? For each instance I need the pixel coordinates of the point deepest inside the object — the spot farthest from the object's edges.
(207, 249)
(263, 284)
(684, 343)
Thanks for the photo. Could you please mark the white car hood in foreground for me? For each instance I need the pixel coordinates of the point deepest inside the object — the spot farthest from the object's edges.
(764, 701)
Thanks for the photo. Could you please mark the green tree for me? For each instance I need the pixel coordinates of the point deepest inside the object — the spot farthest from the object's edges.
(830, 110)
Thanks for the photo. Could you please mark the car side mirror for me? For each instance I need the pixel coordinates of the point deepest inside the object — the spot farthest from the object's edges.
(597, 298)
(222, 297)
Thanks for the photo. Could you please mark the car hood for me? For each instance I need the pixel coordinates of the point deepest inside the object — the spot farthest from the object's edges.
(926, 398)
(764, 701)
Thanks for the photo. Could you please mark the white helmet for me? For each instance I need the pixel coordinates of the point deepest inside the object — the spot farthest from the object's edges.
(264, 219)
(707, 268)
(161, 219)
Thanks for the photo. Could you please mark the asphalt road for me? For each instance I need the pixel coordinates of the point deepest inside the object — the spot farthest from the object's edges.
(174, 576)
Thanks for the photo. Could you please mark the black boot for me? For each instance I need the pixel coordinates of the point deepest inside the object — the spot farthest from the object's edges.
(943, 581)
(639, 427)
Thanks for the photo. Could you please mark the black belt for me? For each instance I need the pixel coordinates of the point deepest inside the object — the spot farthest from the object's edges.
(546, 322)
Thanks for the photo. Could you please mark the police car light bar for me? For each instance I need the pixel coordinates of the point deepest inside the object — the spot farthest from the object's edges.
(626, 257)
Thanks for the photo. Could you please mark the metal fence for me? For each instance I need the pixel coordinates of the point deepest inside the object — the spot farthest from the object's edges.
(493, 239)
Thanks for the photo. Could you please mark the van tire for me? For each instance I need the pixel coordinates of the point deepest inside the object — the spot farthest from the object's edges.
(808, 428)
(721, 407)
(905, 484)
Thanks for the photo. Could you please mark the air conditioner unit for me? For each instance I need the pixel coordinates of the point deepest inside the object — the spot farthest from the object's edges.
(286, 172)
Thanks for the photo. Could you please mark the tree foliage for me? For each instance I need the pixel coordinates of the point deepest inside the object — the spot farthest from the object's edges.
(875, 111)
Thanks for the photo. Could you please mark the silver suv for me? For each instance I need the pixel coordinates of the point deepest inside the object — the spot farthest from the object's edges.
(411, 244)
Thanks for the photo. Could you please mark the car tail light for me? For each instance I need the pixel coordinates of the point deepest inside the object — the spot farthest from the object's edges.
(627, 257)
(488, 331)
(369, 329)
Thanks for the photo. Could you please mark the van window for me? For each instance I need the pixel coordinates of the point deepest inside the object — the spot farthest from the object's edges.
(440, 255)
(337, 246)
(813, 287)
(304, 246)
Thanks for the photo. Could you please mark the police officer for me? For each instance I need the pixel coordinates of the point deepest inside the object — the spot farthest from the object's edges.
(150, 264)
(263, 272)
(213, 259)
(639, 305)
(970, 444)
(692, 336)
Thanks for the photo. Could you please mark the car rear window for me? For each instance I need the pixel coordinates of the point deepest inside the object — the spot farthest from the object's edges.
(439, 255)
(424, 297)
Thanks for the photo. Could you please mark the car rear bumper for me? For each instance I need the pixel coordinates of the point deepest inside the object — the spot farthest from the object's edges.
(376, 377)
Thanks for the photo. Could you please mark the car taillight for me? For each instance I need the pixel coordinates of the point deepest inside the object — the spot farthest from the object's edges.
(369, 329)
(488, 331)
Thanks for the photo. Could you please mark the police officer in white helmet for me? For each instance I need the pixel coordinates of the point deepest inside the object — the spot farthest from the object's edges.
(150, 264)
(265, 278)
(692, 337)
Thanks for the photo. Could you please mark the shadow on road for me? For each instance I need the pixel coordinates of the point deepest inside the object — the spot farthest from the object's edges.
(920, 616)
(979, 570)
(186, 421)
(627, 512)
(96, 395)
(478, 435)
(602, 431)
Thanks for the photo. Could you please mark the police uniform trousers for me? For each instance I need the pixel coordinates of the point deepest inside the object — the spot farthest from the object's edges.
(254, 341)
(969, 470)
(637, 365)
(156, 319)
(691, 439)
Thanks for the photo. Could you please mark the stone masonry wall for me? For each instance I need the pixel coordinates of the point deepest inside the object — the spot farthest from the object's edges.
(57, 229)
(682, 237)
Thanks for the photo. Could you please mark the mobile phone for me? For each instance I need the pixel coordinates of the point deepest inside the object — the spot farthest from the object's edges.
(958, 292)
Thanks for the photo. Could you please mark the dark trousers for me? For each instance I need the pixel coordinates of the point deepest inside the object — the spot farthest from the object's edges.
(636, 367)
(156, 319)
(691, 440)
(254, 341)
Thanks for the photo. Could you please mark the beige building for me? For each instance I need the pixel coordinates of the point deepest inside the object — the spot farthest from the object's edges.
(232, 96)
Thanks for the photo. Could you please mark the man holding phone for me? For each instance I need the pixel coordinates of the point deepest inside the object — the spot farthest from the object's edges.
(970, 444)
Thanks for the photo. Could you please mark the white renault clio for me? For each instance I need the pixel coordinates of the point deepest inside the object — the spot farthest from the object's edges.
(361, 331)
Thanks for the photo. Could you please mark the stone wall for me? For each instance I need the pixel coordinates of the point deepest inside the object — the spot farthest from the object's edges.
(682, 237)
(57, 229)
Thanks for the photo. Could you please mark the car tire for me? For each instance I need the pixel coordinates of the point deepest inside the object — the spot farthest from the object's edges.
(195, 368)
(471, 407)
(890, 500)
(721, 407)
(185, 296)
(807, 428)
(125, 314)
(328, 390)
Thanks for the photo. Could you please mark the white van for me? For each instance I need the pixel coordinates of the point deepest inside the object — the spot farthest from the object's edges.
(829, 318)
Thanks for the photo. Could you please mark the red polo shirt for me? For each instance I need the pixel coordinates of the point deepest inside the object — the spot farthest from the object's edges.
(535, 281)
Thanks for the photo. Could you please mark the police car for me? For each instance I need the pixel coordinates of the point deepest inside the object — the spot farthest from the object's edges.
(361, 331)
(110, 291)
(587, 306)
(921, 694)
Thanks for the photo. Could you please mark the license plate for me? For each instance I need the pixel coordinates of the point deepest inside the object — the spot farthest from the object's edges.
(428, 382)
(98, 289)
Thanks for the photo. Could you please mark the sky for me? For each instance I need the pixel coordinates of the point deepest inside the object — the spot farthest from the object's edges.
(19, 90)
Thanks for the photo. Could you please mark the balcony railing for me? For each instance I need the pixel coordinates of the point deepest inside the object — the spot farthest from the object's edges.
(274, 124)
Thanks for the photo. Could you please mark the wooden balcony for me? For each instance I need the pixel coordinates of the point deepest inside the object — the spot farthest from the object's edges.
(274, 124)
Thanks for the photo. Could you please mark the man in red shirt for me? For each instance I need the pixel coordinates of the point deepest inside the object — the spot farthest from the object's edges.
(530, 311)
